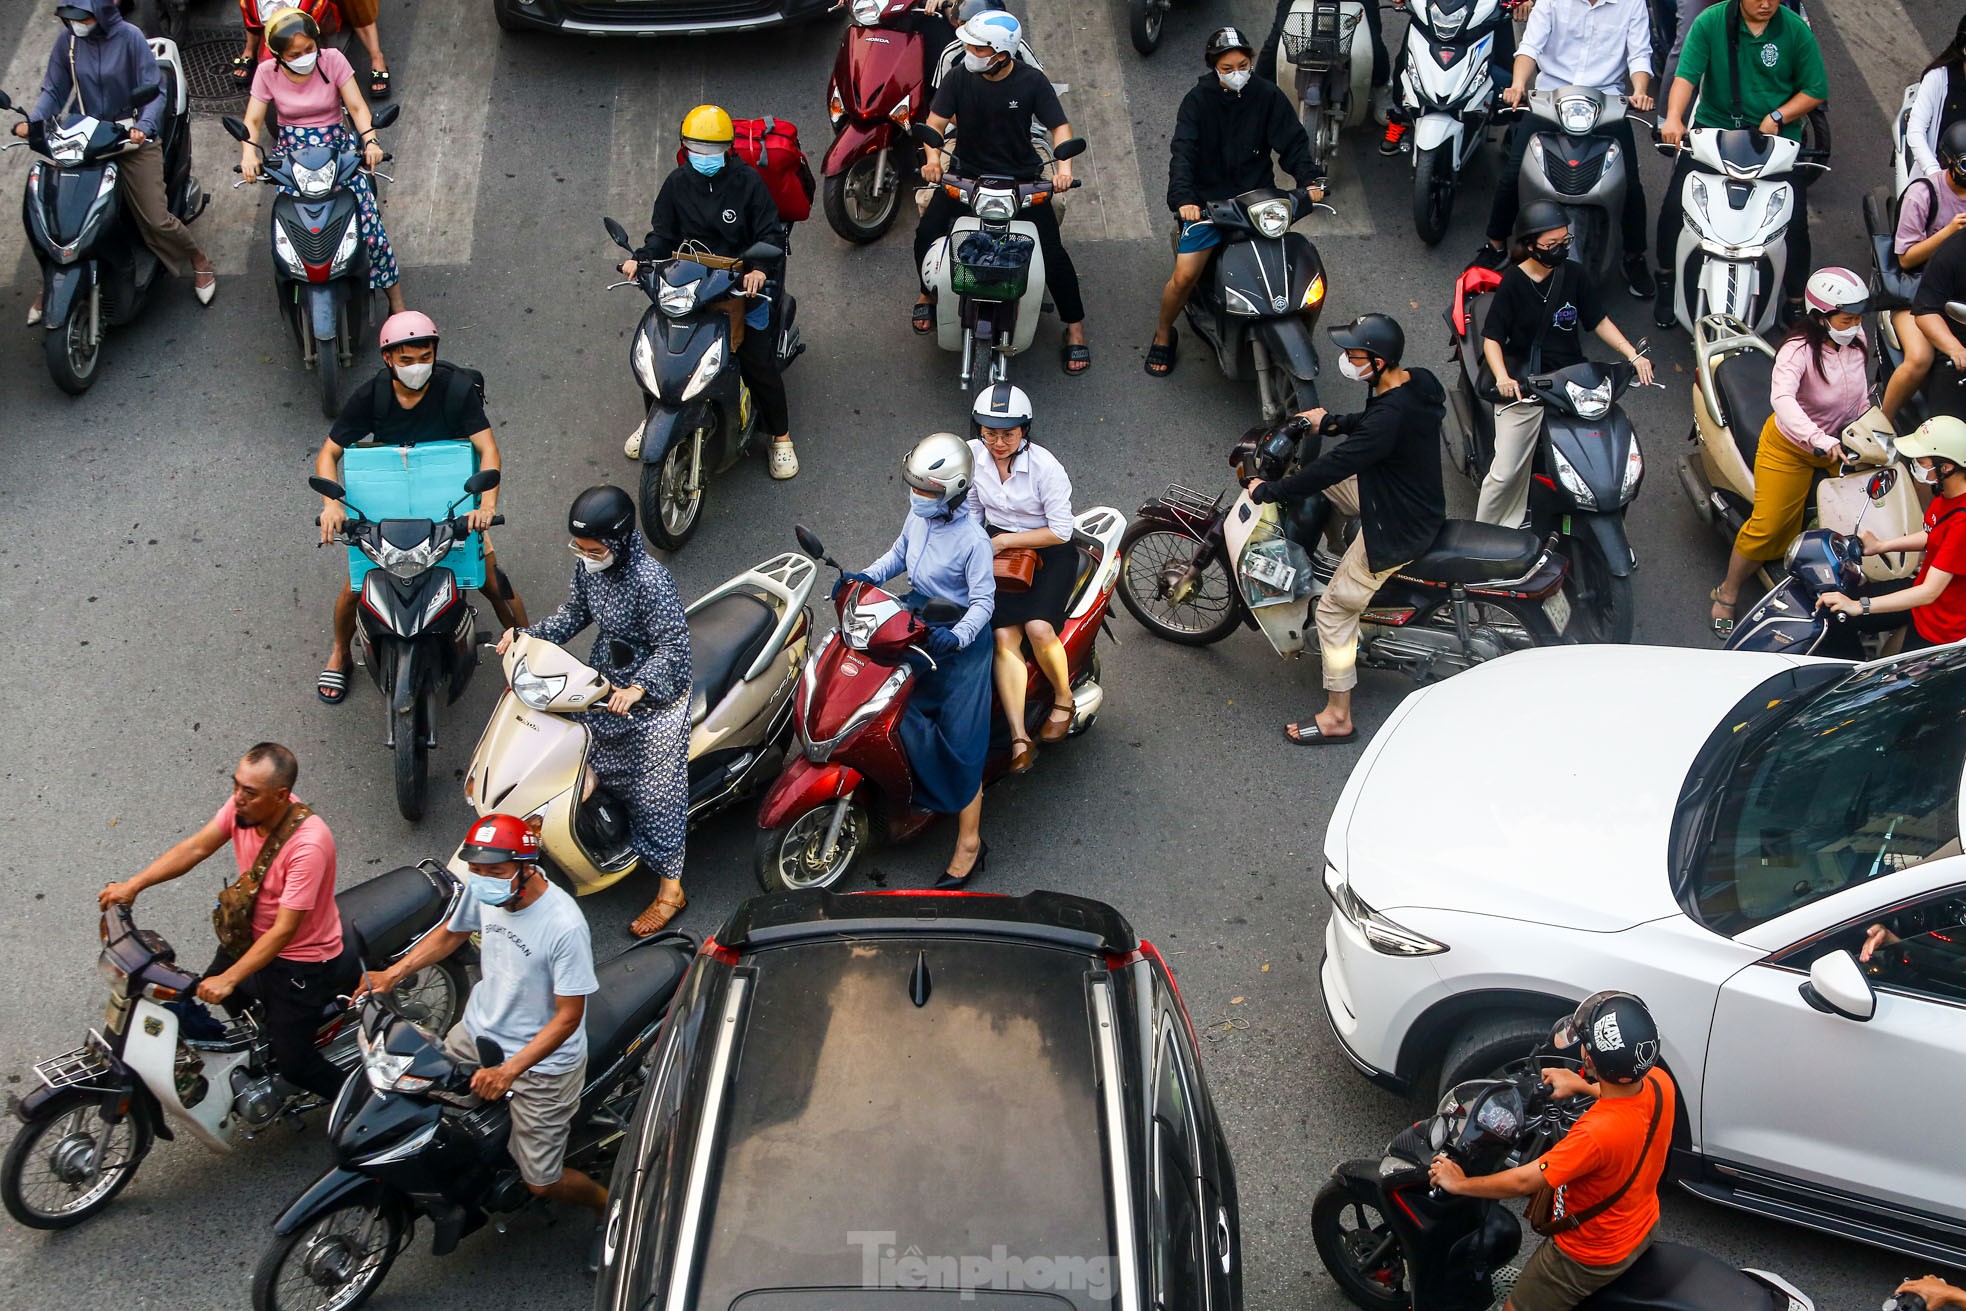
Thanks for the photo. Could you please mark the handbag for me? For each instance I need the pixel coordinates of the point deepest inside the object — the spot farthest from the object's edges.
(1015, 568)
(232, 917)
(1543, 1214)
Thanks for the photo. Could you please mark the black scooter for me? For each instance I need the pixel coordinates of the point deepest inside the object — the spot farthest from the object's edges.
(96, 271)
(414, 629)
(412, 1142)
(320, 262)
(701, 418)
(1390, 1239)
(1259, 301)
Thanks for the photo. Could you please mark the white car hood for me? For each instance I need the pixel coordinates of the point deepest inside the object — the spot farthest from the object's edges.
(1540, 787)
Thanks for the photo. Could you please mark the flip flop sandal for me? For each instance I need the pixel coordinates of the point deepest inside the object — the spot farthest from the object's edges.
(332, 686)
(1310, 735)
(674, 908)
(242, 68)
(1722, 628)
(923, 319)
(378, 84)
(1161, 356)
(1075, 352)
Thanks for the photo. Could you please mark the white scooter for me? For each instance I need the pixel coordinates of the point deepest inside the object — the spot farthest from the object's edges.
(1447, 89)
(1324, 41)
(1733, 248)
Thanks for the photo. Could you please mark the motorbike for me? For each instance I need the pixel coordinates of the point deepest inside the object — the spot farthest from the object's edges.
(162, 1066)
(850, 783)
(748, 642)
(1573, 162)
(414, 629)
(1739, 198)
(96, 271)
(1587, 468)
(988, 272)
(1389, 1238)
(1325, 43)
(1144, 21)
(876, 92)
(1447, 89)
(320, 263)
(1732, 367)
(1259, 301)
(412, 1142)
(700, 415)
(1786, 620)
(1195, 569)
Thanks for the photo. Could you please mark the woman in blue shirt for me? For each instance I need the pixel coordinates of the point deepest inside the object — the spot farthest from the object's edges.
(946, 727)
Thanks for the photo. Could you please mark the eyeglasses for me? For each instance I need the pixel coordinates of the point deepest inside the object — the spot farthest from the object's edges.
(585, 554)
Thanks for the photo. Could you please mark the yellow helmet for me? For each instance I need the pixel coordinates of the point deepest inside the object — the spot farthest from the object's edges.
(1941, 438)
(283, 25)
(709, 125)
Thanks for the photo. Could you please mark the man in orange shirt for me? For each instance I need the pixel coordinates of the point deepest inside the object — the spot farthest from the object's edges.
(1606, 1171)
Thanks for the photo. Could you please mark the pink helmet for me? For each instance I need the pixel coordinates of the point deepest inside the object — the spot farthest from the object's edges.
(1835, 290)
(409, 326)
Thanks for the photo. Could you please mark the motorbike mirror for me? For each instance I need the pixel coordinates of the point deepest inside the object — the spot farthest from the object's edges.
(1069, 149)
(929, 137)
(490, 1053)
(764, 250)
(618, 234)
(236, 129)
(482, 481)
(327, 487)
(143, 95)
(386, 116)
(6, 102)
(809, 542)
(1837, 986)
(1880, 485)
(1956, 311)
(941, 612)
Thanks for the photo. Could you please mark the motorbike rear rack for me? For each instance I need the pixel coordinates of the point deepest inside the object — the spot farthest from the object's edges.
(1190, 501)
(85, 1065)
(1317, 38)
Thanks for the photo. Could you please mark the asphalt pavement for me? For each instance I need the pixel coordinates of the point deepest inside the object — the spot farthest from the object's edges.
(169, 606)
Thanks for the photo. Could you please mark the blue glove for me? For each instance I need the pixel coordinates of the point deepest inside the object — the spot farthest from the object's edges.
(851, 578)
(940, 642)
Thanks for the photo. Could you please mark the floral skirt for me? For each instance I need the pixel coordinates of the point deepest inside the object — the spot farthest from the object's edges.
(382, 259)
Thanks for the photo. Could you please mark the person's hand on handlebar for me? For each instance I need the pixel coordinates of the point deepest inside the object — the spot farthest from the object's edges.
(1936, 1292)
(333, 519)
(940, 642)
(1642, 370)
(20, 129)
(1508, 388)
(479, 519)
(1838, 603)
(628, 267)
(1445, 1174)
(1513, 96)
(1314, 417)
(1190, 213)
(1672, 132)
(505, 639)
(1642, 101)
(754, 281)
(372, 981)
(932, 168)
(138, 136)
(1061, 176)
(249, 163)
(1568, 1083)
(116, 894)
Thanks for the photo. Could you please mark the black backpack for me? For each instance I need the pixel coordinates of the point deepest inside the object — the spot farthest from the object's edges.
(458, 383)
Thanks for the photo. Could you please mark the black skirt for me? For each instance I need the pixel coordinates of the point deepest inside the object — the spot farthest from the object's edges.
(1050, 591)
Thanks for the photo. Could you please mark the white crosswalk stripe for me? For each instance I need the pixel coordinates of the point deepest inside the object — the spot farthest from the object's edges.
(1079, 44)
(440, 145)
(642, 137)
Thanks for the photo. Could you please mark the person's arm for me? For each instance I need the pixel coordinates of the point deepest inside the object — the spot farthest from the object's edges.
(980, 577)
(1638, 54)
(894, 561)
(1784, 387)
(1522, 1181)
(1875, 545)
(1369, 443)
(494, 1081)
(1061, 171)
(1609, 333)
(1528, 54)
(573, 615)
(327, 464)
(358, 113)
(1055, 498)
(148, 74)
(55, 83)
(1181, 156)
(486, 445)
(1505, 383)
(1292, 145)
(664, 673)
(255, 124)
(1919, 253)
(665, 232)
(182, 858)
(1812, 87)
(941, 113)
(429, 949)
(1928, 590)
(1524, 74)
(1937, 1292)
(265, 949)
(1922, 128)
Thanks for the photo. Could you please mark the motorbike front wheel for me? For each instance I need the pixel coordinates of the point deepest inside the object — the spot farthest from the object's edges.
(334, 1262)
(412, 765)
(1178, 588)
(1433, 193)
(793, 856)
(1145, 18)
(329, 367)
(74, 351)
(853, 209)
(1359, 1248)
(672, 493)
(1600, 602)
(71, 1163)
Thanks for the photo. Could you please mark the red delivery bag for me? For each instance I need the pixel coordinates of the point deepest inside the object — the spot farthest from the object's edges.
(771, 145)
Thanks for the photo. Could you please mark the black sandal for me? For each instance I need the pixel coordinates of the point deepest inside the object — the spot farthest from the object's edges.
(378, 84)
(1161, 355)
(242, 68)
(923, 319)
(1075, 352)
(332, 686)
(1310, 735)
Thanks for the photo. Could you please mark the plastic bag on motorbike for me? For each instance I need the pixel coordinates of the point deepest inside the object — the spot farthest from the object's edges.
(1273, 570)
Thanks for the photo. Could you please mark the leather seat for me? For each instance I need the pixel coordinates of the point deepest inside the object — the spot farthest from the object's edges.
(725, 636)
(381, 917)
(635, 988)
(1744, 382)
(1470, 552)
(1672, 1277)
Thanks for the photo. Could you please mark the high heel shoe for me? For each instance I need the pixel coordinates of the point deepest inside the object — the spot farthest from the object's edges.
(949, 882)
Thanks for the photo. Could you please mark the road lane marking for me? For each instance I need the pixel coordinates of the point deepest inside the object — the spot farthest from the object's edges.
(643, 135)
(440, 147)
(1080, 46)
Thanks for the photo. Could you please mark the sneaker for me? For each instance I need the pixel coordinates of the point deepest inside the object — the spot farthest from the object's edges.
(1487, 257)
(1383, 104)
(1662, 307)
(1638, 278)
(1395, 138)
(784, 461)
(632, 448)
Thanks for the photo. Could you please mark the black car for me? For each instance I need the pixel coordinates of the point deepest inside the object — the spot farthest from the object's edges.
(894, 1101)
(651, 17)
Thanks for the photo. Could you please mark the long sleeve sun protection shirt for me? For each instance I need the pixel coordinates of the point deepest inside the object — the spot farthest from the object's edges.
(948, 556)
(101, 71)
(1594, 43)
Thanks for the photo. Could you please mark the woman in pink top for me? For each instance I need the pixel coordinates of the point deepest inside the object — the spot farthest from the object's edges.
(1820, 385)
(312, 87)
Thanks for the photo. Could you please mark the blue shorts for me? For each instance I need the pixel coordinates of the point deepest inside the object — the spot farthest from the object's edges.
(1197, 237)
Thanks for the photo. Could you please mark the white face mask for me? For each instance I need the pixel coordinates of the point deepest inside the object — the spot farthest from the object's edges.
(1237, 80)
(1844, 336)
(79, 29)
(1927, 474)
(978, 63)
(1351, 370)
(593, 566)
(414, 376)
(304, 63)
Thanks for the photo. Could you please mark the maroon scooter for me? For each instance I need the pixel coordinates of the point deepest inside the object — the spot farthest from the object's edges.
(879, 88)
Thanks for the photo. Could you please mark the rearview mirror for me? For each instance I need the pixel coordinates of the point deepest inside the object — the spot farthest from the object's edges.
(490, 1053)
(763, 251)
(1069, 149)
(482, 481)
(809, 542)
(236, 128)
(1880, 484)
(143, 95)
(928, 136)
(942, 612)
(5, 101)
(1956, 311)
(386, 116)
(327, 487)
(618, 234)
(1837, 986)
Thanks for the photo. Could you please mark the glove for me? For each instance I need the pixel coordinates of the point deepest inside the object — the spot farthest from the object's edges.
(940, 642)
(851, 578)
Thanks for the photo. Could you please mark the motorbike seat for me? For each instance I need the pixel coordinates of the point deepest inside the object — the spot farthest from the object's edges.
(1470, 552)
(1674, 1277)
(635, 987)
(1744, 381)
(725, 636)
(381, 917)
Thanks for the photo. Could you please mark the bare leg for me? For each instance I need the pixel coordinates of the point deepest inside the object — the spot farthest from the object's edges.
(1335, 720)
(1174, 296)
(509, 609)
(969, 837)
(1908, 377)
(1008, 668)
(1050, 655)
(572, 1187)
(344, 628)
(373, 44)
(1739, 570)
(394, 293)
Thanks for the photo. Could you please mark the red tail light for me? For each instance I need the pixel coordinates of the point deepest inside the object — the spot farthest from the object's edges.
(717, 952)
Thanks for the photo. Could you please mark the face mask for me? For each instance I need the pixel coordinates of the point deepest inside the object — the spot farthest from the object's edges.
(304, 63)
(1237, 80)
(978, 63)
(708, 165)
(593, 566)
(1551, 256)
(1351, 370)
(1927, 474)
(494, 892)
(1844, 336)
(81, 30)
(924, 507)
(414, 376)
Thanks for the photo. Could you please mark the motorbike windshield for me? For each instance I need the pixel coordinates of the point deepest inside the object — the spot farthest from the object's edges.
(1862, 779)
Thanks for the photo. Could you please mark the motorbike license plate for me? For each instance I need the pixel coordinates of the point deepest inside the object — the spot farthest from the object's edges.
(1557, 606)
(1270, 571)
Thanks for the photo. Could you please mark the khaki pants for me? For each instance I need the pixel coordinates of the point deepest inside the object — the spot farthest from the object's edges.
(1504, 496)
(542, 1107)
(1351, 590)
(141, 176)
(1553, 1280)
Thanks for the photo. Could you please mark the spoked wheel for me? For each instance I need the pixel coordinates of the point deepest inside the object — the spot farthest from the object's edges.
(1359, 1248)
(855, 208)
(412, 764)
(332, 1263)
(1179, 589)
(433, 998)
(795, 856)
(1433, 193)
(74, 351)
(1145, 18)
(64, 1168)
(672, 491)
(1601, 603)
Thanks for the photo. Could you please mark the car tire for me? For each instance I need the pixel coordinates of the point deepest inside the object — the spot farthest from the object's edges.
(507, 19)
(1488, 1042)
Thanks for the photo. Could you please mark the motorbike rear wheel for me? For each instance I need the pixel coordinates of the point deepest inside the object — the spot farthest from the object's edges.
(1359, 1248)
(74, 351)
(46, 1180)
(672, 493)
(1145, 19)
(412, 767)
(1433, 193)
(1601, 603)
(1155, 563)
(790, 857)
(852, 210)
(334, 1262)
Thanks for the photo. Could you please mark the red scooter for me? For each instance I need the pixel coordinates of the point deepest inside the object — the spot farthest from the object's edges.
(851, 779)
(879, 87)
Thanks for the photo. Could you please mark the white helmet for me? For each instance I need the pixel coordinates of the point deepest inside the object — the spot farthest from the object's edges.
(1941, 438)
(999, 31)
(1835, 290)
(1001, 405)
(940, 464)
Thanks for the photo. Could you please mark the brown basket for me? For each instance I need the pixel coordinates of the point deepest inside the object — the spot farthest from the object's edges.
(1016, 568)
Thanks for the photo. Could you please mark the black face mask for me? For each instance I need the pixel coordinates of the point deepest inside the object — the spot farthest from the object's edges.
(1551, 256)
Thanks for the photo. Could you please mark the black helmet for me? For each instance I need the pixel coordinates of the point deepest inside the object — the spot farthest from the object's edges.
(1952, 144)
(1538, 217)
(1617, 1033)
(602, 514)
(1224, 39)
(1378, 335)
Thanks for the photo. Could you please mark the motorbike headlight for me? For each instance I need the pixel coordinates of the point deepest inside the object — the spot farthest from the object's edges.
(388, 1072)
(1572, 481)
(676, 301)
(1777, 199)
(1271, 217)
(1577, 114)
(283, 246)
(1634, 470)
(314, 182)
(1314, 294)
(536, 690)
(642, 356)
(1698, 190)
(113, 975)
(819, 752)
(995, 206)
(1590, 402)
(1237, 303)
(858, 628)
(868, 12)
(408, 562)
(1384, 936)
(1448, 26)
(707, 368)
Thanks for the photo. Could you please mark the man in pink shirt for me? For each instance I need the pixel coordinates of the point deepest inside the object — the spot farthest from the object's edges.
(294, 967)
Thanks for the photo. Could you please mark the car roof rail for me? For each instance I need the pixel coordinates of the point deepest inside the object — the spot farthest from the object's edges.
(1057, 918)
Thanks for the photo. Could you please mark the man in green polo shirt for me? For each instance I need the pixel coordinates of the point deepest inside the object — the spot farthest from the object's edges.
(1755, 64)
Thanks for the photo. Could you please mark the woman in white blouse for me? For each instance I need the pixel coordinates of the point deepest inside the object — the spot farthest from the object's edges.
(1940, 102)
(1025, 500)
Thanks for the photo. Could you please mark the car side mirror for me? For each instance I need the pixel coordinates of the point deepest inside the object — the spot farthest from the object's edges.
(1069, 149)
(928, 136)
(809, 542)
(763, 251)
(143, 95)
(236, 128)
(1880, 485)
(1837, 986)
(618, 234)
(482, 481)
(386, 116)
(327, 487)
(942, 612)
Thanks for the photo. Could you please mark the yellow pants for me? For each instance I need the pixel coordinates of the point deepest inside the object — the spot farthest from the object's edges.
(1783, 474)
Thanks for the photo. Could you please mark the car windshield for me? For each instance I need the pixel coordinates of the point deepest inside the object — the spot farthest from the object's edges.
(1862, 780)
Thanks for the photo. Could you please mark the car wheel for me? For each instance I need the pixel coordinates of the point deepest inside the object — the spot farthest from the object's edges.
(508, 19)
(1488, 1043)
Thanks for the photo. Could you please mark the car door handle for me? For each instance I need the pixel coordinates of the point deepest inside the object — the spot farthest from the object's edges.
(1222, 1239)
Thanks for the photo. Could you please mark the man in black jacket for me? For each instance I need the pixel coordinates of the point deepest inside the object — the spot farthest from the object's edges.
(1386, 472)
(1230, 123)
(720, 202)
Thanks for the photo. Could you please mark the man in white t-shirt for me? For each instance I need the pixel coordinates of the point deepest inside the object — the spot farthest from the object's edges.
(538, 969)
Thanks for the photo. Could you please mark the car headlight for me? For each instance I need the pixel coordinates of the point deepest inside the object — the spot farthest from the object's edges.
(1590, 402)
(1573, 482)
(1314, 294)
(707, 368)
(868, 12)
(676, 301)
(1271, 217)
(536, 690)
(314, 182)
(1577, 114)
(1634, 470)
(1384, 935)
(996, 206)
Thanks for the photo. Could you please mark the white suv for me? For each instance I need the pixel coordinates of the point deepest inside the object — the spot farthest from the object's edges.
(1718, 832)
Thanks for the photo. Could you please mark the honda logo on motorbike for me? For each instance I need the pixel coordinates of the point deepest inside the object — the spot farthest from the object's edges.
(152, 1025)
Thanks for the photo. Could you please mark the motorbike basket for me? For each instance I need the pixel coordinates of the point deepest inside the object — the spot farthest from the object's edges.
(992, 265)
(1317, 38)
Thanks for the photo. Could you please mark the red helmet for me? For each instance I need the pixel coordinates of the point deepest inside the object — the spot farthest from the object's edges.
(496, 839)
(409, 326)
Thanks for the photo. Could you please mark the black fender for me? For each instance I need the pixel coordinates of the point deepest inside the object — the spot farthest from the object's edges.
(1361, 1175)
(1290, 344)
(1608, 531)
(323, 1195)
(322, 302)
(665, 426)
(64, 288)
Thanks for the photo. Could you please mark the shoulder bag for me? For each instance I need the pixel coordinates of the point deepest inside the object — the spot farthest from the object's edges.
(232, 917)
